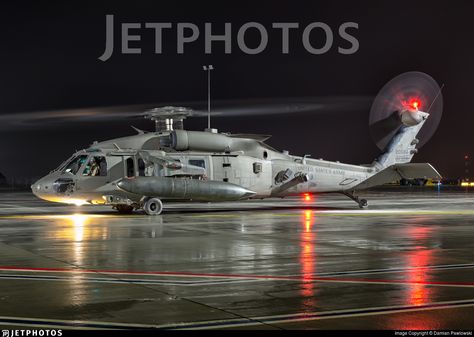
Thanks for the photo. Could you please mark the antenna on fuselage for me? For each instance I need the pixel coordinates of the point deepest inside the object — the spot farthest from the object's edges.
(208, 68)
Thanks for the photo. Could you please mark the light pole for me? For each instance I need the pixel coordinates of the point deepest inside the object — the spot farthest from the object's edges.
(208, 68)
(466, 168)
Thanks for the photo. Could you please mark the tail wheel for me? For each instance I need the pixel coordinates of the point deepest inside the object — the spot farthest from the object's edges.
(363, 203)
(153, 206)
(124, 209)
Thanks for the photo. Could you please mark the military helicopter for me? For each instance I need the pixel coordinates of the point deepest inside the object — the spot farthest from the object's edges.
(140, 171)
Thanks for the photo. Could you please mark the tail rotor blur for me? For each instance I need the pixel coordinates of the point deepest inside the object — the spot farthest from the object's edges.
(404, 101)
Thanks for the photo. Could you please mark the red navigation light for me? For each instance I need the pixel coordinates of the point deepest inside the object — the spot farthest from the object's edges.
(466, 157)
(412, 103)
(307, 197)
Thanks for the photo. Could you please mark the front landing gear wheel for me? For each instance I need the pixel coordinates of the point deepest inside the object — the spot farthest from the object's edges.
(363, 203)
(153, 206)
(124, 209)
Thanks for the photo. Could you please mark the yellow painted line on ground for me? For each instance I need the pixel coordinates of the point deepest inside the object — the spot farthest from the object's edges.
(208, 215)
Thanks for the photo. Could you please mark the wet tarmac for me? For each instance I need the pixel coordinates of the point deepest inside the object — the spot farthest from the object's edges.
(407, 262)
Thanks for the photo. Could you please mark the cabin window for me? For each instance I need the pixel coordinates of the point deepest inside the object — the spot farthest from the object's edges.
(129, 167)
(265, 154)
(141, 167)
(197, 162)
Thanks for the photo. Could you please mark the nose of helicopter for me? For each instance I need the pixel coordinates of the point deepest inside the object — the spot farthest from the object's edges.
(43, 187)
(56, 189)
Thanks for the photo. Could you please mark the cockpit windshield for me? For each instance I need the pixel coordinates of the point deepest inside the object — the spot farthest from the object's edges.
(75, 164)
(63, 164)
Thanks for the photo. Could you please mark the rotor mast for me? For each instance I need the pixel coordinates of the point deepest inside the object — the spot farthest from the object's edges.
(168, 118)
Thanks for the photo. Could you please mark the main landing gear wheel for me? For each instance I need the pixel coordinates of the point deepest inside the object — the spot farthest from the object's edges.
(124, 209)
(153, 206)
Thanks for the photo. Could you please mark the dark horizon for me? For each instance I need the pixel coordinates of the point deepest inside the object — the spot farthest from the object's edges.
(49, 61)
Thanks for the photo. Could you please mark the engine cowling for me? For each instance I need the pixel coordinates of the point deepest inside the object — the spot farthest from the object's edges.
(182, 140)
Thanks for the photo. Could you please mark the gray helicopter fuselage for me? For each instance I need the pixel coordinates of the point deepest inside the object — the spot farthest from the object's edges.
(234, 159)
(128, 172)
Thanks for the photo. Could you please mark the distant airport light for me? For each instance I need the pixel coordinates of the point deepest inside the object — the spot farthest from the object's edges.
(467, 184)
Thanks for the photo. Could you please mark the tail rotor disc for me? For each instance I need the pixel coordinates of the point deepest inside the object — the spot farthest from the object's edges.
(410, 90)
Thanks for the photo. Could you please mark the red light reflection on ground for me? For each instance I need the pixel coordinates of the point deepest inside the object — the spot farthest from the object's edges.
(418, 294)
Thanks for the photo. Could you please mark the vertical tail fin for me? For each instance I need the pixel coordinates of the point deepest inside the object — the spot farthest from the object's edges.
(402, 147)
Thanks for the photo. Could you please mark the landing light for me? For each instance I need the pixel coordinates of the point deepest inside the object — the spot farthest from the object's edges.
(77, 202)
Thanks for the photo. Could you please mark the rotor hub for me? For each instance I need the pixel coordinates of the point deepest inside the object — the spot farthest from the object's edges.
(168, 118)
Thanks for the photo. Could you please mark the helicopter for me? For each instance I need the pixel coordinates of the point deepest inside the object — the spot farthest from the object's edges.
(141, 171)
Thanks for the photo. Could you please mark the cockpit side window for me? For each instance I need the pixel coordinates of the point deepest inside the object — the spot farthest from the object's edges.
(74, 165)
(96, 166)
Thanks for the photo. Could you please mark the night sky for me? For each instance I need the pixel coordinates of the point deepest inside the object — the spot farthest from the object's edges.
(49, 61)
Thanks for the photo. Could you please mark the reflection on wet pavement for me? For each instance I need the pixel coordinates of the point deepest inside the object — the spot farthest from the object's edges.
(406, 263)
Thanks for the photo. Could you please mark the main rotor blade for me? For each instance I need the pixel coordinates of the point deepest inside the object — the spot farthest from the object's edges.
(220, 108)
